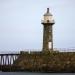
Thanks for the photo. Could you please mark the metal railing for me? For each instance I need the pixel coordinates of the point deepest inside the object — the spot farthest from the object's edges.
(37, 50)
(64, 49)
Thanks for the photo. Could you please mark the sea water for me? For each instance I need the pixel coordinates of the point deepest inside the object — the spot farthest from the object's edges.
(32, 73)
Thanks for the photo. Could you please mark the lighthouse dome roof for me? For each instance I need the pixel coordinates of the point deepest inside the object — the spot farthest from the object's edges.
(47, 13)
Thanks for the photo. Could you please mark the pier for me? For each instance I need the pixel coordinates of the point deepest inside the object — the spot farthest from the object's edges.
(7, 60)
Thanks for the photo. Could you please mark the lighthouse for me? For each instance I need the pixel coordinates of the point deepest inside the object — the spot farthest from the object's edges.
(47, 23)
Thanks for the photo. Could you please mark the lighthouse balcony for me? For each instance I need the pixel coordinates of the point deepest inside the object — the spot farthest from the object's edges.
(48, 21)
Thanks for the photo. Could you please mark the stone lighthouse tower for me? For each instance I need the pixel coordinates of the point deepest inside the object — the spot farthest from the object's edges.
(47, 22)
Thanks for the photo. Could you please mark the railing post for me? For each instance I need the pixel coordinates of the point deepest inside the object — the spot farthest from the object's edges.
(3, 63)
(0, 59)
(8, 60)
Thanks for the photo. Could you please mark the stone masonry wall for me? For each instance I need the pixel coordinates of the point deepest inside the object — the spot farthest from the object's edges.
(47, 62)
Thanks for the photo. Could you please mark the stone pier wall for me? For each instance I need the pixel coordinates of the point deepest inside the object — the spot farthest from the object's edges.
(47, 62)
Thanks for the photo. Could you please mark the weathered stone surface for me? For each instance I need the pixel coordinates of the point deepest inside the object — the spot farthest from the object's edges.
(47, 62)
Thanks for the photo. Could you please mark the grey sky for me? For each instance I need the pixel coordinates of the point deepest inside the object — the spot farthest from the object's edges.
(20, 23)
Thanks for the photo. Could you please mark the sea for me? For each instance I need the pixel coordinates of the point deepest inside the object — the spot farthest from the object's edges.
(32, 73)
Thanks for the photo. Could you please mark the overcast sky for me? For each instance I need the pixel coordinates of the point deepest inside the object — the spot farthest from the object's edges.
(21, 28)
